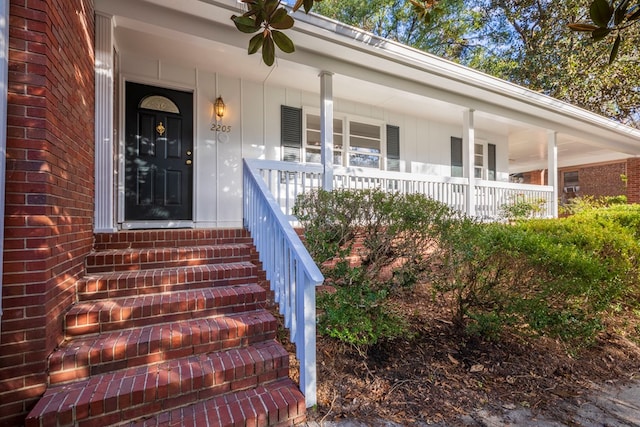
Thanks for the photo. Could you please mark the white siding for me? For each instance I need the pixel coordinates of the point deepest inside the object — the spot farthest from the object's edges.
(253, 113)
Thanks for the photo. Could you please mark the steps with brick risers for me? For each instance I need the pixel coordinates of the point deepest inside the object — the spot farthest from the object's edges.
(131, 283)
(165, 332)
(275, 404)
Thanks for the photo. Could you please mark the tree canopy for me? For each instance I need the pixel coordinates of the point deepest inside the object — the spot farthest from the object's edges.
(580, 51)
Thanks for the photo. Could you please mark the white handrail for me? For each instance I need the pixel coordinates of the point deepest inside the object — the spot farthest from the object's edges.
(291, 271)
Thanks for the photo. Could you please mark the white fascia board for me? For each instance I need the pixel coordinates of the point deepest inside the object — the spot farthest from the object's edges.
(332, 46)
(408, 62)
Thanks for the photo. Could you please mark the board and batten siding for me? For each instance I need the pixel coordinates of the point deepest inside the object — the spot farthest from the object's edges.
(253, 115)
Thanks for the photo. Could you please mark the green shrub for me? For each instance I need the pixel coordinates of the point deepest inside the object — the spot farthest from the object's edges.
(359, 316)
(522, 207)
(554, 277)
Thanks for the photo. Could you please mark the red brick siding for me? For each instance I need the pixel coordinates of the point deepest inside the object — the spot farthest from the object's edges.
(49, 187)
(633, 180)
(596, 180)
(601, 180)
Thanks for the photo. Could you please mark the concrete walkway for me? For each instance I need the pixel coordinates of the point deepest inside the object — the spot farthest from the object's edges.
(610, 406)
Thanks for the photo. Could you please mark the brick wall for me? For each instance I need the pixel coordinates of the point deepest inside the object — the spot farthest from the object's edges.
(49, 187)
(598, 180)
(601, 179)
(633, 180)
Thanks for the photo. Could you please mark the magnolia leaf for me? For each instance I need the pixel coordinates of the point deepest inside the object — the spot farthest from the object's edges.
(281, 20)
(308, 4)
(600, 12)
(614, 49)
(600, 33)
(268, 50)
(270, 6)
(581, 26)
(256, 43)
(245, 24)
(297, 5)
(620, 12)
(283, 41)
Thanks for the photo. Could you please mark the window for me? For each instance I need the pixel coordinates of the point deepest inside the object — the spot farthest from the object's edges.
(478, 162)
(484, 166)
(364, 145)
(355, 142)
(313, 144)
(571, 182)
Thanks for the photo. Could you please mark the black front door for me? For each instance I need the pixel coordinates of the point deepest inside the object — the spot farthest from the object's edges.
(159, 154)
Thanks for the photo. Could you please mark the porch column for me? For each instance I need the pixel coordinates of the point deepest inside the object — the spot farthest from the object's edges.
(552, 158)
(104, 168)
(468, 151)
(326, 129)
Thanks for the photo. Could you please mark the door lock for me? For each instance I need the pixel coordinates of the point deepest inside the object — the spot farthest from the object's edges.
(188, 152)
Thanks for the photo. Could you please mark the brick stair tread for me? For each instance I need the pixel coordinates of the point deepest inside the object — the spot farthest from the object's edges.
(279, 403)
(139, 282)
(128, 312)
(80, 357)
(163, 257)
(132, 393)
(169, 238)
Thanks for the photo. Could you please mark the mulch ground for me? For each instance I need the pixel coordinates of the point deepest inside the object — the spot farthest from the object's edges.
(440, 374)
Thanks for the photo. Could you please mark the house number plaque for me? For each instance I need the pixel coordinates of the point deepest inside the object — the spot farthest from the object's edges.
(216, 127)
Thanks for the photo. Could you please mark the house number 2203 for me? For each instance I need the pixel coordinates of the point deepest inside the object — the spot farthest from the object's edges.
(220, 128)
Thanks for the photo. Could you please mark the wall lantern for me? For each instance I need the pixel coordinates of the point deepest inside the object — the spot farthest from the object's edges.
(219, 107)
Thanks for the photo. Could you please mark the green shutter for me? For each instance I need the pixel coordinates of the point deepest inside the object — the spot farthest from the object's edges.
(291, 133)
(491, 148)
(393, 148)
(456, 157)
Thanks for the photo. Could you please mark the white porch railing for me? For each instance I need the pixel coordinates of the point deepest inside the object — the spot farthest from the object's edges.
(290, 269)
(286, 180)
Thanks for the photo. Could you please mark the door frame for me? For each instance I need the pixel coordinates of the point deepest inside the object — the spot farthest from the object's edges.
(120, 202)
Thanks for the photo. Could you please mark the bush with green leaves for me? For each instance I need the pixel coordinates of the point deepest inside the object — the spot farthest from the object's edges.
(586, 203)
(553, 277)
(359, 316)
(522, 207)
(383, 229)
(393, 235)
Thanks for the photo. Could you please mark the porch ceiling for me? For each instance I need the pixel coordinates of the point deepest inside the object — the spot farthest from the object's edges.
(199, 33)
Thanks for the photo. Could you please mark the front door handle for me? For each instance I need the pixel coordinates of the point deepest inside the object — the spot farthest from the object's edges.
(188, 162)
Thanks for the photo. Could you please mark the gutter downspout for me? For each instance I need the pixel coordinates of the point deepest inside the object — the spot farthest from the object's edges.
(4, 83)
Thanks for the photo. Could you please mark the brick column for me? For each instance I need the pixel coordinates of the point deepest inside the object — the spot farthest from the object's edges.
(633, 180)
(49, 188)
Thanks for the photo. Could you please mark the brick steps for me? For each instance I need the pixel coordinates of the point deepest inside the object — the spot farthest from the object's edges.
(169, 238)
(131, 283)
(165, 257)
(133, 393)
(170, 326)
(274, 404)
(86, 356)
(130, 312)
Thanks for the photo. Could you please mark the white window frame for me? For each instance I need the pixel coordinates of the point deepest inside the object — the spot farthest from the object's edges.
(346, 136)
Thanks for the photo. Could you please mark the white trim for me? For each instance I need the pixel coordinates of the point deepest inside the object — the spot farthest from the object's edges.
(104, 209)
(124, 78)
(137, 225)
(552, 155)
(4, 83)
(468, 159)
(326, 129)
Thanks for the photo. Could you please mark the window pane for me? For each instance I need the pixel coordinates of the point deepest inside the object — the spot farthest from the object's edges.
(363, 160)
(312, 156)
(365, 130)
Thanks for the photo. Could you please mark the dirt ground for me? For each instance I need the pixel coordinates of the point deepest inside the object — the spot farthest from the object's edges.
(442, 377)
